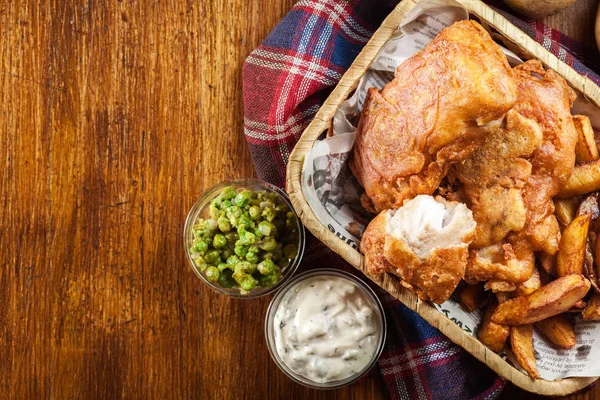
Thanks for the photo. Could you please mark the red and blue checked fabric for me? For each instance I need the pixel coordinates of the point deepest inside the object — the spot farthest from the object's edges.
(285, 81)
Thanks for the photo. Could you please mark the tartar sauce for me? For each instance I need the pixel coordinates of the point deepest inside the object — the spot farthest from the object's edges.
(326, 328)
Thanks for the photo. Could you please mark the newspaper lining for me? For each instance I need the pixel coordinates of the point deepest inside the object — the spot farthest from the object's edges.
(333, 192)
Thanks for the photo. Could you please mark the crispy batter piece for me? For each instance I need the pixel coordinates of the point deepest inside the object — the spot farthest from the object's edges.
(530, 285)
(505, 262)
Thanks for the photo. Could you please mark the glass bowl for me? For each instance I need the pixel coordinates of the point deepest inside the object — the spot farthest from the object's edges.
(270, 334)
(201, 210)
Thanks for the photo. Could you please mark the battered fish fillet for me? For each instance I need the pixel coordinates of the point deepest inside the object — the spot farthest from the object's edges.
(526, 216)
(425, 243)
(437, 110)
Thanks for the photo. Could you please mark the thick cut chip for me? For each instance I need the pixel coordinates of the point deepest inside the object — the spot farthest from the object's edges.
(521, 344)
(558, 330)
(554, 298)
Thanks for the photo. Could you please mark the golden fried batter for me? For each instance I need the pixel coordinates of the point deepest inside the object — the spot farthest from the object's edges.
(494, 177)
(372, 244)
(522, 220)
(437, 110)
(545, 97)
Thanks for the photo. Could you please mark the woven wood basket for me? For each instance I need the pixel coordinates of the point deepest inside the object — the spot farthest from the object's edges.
(517, 41)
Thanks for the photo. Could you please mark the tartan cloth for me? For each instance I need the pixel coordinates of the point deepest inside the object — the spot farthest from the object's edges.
(285, 81)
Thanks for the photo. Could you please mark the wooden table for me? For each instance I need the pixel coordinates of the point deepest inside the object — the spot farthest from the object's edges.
(114, 116)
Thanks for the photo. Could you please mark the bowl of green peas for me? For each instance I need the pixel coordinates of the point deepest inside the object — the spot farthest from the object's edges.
(243, 238)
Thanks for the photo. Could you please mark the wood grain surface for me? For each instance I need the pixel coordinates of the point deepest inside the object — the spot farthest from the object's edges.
(114, 116)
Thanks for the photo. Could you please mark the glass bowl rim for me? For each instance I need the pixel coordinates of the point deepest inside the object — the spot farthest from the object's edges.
(203, 201)
(270, 315)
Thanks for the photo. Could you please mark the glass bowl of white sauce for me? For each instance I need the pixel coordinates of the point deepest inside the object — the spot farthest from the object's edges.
(325, 329)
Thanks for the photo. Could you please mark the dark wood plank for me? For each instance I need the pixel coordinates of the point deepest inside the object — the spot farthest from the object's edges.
(114, 116)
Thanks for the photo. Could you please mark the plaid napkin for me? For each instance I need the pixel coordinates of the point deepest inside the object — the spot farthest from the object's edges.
(285, 81)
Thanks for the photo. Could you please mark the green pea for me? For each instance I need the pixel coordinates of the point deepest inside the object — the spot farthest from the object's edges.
(219, 241)
(242, 199)
(200, 247)
(277, 254)
(284, 262)
(266, 203)
(212, 256)
(240, 250)
(225, 205)
(200, 224)
(252, 257)
(200, 263)
(232, 237)
(247, 282)
(212, 225)
(290, 250)
(266, 267)
(245, 267)
(268, 244)
(228, 193)
(258, 233)
(214, 211)
(226, 279)
(267, 280)
(290, 238)
(222, 267)
(266, 228)
(226, 253)
(247, 238)
(290, 220)
(246, 222)
(212, 274)
(254, 213)
(224, 224)
(269, 214)
(203, 247)
(281, 210)
(233, 213)
(233, 260)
